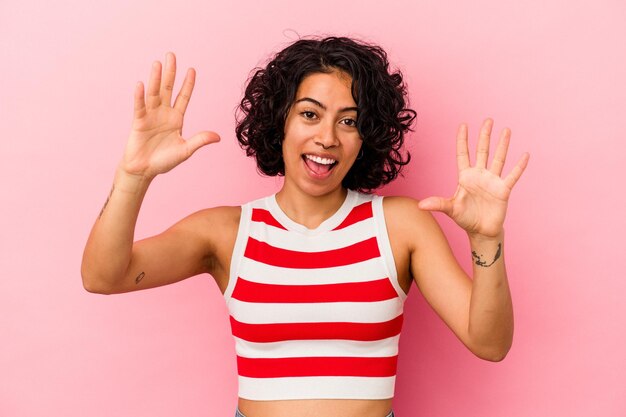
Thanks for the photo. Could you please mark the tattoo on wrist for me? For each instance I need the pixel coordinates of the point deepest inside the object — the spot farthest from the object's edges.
(478, 260)
(139, 277)
(107, 202)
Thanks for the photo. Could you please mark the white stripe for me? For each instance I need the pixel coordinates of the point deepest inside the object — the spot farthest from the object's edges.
(362, 198)
(303, 348)
(327, 225)
(352, 312)
(238, 250)
(385, 246)
(331, 387)
(369, 270)
(337, 239)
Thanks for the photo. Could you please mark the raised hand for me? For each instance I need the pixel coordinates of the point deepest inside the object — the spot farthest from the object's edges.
(480, 201)
(155, 144)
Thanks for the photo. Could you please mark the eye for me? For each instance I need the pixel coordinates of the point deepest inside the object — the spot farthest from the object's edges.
(349, 122)
(307, 114)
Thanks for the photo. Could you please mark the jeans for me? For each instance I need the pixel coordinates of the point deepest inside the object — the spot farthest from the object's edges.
(239, 414)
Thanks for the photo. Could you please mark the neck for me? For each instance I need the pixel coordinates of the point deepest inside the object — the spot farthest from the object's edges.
(309, 210)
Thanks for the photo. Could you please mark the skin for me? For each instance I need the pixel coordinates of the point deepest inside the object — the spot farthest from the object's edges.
(478, 310)
(319, 123)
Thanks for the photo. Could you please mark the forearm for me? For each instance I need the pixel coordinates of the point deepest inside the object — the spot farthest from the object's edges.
(491, 311)
(109, 246)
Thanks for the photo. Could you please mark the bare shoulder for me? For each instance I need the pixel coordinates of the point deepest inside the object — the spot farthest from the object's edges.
(213, 229)
(407, 223)
(402, 205)
(211, 220)
(217, 228)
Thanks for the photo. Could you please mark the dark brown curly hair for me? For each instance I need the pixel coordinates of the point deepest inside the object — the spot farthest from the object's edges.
(380, 95)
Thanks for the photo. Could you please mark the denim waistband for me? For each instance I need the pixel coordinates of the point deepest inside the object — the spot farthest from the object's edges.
(240, 414)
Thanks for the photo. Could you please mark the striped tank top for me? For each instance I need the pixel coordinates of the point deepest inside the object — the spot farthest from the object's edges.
(315, 313)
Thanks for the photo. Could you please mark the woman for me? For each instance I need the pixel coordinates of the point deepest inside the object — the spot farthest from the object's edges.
(315, 276)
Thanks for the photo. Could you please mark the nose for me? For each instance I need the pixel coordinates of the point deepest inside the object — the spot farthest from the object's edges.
(326, 136)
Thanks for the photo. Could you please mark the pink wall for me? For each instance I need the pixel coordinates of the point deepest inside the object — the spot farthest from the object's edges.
(551, 71)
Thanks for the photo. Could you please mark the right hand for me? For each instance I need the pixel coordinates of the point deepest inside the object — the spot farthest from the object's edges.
(155, 144)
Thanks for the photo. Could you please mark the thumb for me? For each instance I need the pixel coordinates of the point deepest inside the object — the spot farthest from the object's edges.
(201, 139)
(436, 204)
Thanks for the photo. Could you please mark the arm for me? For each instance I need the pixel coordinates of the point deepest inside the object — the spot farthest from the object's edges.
(111, 262)
(478, 310)
(490, 324)
(109, 247)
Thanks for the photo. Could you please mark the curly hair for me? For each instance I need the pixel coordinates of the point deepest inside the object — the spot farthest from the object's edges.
(380, 95)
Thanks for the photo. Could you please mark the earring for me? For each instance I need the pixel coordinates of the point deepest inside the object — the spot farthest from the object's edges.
(360, 155)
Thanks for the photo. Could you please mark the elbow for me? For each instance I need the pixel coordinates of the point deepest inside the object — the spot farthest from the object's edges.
(494, 345)
(95, 288)
(94, 285)
(496, 356)
(493, 353)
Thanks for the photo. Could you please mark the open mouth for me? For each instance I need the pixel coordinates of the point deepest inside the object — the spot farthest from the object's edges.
(317, 164)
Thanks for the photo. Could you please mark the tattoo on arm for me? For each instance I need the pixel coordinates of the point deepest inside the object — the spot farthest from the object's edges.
(480, 262)
(107, 202)
(139, 277)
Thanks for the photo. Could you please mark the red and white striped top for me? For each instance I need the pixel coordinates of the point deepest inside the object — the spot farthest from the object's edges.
(315, 313)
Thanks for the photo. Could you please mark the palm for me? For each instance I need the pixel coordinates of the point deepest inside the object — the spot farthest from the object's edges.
(480, 201)
(155, 144)
(155, 141)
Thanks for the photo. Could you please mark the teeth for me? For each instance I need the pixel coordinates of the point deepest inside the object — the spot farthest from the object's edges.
(319, 160)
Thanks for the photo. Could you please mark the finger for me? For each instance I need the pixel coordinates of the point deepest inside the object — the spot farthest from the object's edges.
(482, 150)
(500, 157)
(201, 139)
(153, 99)
(140, 104)
(517, 171)
(169, 76)
(462, 152)
(184, 95)
(436, 204)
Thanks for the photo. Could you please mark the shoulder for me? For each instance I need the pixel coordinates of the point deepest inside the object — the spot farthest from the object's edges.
(217, 215)
(408, 223)
(210, 234)
(405, 209)
(400, 205)
(211, 220)
(208, 225)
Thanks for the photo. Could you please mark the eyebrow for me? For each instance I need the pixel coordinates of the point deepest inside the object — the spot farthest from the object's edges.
(317, 103)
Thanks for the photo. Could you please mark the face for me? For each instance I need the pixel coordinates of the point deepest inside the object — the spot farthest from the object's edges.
(321, 138)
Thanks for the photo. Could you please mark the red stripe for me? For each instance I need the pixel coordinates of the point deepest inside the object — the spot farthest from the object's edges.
(255, 292)
(275, 332)
(264, 216)
(358, 213)
(316, 366)
(265, 253)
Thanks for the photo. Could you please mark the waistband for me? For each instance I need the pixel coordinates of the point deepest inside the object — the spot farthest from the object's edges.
(240, 414)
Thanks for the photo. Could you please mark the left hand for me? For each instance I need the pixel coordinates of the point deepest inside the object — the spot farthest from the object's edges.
(480, 201)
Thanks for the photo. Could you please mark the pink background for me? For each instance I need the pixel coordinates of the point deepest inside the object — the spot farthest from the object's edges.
(552, 71)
